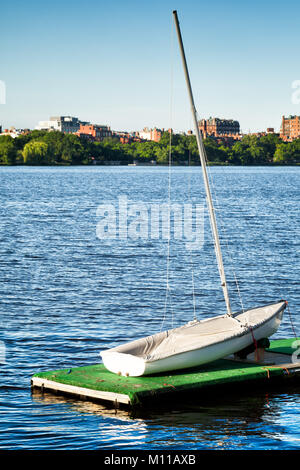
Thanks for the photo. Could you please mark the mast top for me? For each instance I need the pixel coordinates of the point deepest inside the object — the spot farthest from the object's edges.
(202, 156)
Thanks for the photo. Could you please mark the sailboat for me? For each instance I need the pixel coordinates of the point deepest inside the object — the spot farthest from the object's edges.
(199, 341)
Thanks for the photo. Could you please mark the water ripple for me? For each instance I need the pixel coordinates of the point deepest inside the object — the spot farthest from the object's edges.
(65, 295)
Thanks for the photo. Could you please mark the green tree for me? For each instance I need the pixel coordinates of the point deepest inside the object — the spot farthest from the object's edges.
(8, 151)
(54, 140)
(287, 153)
(72, 150)
(22, 140)
(36, 153)
(214, 152)
(269, 143)
(146, 151)
(165, 139)
(294, 148)
(162, 155)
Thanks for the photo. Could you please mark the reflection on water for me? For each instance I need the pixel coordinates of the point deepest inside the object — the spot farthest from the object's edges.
(225, 422)
(66, 295)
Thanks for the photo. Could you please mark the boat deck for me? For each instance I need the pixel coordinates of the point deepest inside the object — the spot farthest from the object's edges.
(94, 382)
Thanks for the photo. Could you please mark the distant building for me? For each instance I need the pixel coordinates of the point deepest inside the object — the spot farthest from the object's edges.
(94, 131)
(151, 134)
(126, 137)
(216, 127)
(13, 132)
(290, 128)
(66, 124)
(270, 130)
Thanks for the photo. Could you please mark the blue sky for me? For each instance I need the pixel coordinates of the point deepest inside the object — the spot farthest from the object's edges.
(118, 62)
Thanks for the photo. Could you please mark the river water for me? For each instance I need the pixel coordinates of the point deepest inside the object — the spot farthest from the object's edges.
(72, 286)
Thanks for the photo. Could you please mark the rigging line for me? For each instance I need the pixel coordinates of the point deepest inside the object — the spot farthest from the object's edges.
(229, 253)
(232, 264)
(168, 289)
(193, 287)
(224, 232)
(193, 283)
(225, 238)
(191, 256)
(291, 321)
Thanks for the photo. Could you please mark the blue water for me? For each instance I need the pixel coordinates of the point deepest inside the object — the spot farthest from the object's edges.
(66, 294)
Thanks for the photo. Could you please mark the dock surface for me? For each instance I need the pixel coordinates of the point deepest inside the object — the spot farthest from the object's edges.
(95, 382)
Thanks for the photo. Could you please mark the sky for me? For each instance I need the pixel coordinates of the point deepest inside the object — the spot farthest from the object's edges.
(117, 63)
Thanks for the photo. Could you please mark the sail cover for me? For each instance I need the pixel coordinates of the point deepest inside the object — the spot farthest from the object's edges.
(198, 334)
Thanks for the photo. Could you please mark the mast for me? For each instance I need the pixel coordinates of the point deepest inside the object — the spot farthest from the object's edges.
(211, 211)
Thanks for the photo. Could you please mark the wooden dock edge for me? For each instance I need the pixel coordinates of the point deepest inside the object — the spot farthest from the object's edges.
(80, 392)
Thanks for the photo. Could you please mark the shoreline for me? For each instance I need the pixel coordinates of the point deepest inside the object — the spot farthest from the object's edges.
(148, 165)
(41, 148)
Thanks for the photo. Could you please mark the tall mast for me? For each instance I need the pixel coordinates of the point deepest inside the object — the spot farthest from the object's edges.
(205, 177)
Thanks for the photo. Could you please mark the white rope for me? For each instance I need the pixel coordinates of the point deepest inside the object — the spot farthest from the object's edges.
(223, 228)
(193, 286)
(168, 288)
(191, 256)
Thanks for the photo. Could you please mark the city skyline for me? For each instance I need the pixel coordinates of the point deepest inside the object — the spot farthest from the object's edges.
(119, 64)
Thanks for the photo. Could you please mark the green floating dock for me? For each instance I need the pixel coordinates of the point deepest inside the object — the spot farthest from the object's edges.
(94, 382)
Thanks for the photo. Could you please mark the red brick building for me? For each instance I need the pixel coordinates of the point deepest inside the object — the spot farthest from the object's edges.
(151, 134)
(94, 132)
(220, 128)
(126, 137)
(290, 128)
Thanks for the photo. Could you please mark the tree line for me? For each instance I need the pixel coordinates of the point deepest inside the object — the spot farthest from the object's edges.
(56, 148)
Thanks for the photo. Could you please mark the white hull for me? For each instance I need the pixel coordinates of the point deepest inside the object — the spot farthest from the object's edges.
(237, 334)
